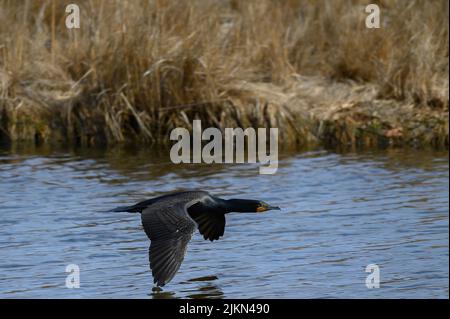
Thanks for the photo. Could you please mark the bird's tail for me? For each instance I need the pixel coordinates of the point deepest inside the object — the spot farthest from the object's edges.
(127, 209)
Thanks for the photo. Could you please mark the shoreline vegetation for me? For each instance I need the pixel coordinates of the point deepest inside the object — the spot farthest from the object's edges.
(137, 69)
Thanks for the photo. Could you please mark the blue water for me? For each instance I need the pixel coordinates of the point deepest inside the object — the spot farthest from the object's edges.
(340, 213)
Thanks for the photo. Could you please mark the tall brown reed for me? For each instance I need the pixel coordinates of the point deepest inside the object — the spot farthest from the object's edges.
(136, 69)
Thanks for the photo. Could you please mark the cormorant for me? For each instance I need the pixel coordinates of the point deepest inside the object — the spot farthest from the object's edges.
(170, 220)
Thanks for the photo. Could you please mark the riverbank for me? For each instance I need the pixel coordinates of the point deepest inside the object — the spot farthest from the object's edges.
(313, 112)
(134, 71)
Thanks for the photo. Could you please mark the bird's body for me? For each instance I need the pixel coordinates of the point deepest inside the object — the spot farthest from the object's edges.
(170, 220)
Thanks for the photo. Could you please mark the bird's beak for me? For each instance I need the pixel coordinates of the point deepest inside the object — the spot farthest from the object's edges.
(261, 209)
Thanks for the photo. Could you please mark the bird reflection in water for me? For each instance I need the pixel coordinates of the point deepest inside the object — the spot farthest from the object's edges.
(206, 290)
(158, 293)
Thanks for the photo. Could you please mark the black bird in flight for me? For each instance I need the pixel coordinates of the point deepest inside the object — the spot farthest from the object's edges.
(170, 220)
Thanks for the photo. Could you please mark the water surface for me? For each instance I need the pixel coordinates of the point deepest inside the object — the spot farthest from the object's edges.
(340, 213)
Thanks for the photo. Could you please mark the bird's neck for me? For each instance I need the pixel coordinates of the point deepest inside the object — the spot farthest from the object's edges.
(238, 205)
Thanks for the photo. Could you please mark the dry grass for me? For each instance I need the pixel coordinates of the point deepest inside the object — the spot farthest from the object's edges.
(136, 69)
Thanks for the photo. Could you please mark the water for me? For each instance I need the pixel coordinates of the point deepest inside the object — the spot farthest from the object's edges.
(340, 213)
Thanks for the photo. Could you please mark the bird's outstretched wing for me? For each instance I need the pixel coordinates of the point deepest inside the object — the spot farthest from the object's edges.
(210, 225)
(169, 229)
(210, 220)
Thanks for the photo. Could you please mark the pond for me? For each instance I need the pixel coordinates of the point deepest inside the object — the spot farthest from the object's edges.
(340, 212)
